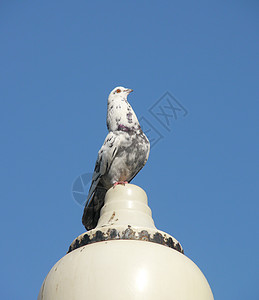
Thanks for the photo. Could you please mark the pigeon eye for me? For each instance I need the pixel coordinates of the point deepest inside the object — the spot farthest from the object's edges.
(118, 91)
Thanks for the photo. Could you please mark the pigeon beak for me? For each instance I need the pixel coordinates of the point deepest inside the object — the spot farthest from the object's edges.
(129, 91)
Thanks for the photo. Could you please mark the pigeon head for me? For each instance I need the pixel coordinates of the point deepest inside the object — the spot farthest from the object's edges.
(119, 93)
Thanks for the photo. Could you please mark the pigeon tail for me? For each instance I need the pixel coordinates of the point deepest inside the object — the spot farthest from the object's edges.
(92, 210)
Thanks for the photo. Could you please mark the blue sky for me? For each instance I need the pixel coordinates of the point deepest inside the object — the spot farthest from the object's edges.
(59, 61)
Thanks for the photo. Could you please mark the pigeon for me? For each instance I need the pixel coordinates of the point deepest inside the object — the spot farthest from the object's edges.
(124, 153)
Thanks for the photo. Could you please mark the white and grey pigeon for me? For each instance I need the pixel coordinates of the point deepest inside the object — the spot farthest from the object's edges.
(123, 154)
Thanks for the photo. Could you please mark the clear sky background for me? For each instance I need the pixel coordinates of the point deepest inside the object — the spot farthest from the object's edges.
(58, 62)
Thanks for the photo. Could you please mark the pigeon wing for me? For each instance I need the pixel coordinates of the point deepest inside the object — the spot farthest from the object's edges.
(97, 191)
(104, 160)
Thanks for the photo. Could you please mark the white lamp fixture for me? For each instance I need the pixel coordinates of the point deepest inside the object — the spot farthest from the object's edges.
(125, 258)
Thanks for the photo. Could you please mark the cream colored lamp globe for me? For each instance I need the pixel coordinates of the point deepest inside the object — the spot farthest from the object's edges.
(125, 258)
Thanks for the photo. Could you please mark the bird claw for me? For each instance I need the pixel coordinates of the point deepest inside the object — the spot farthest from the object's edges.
(120, 182)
